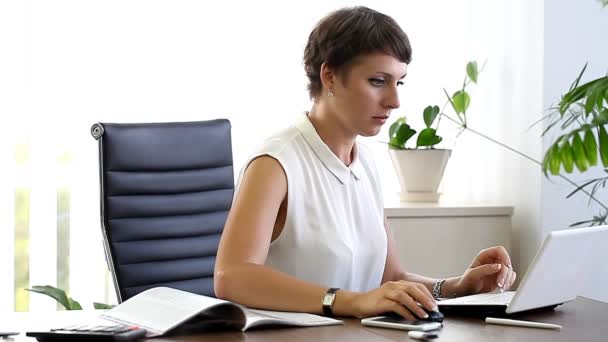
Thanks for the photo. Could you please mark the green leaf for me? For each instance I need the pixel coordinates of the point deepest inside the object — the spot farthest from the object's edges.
(600, 97)
(578, 150)
(394, 144)
(461, 101)
(578, 78)
(394, 126)
(74, 305)
(53, 292)
(601, 118)
(577, 92)
(603, 138)
(590, 147)
(404, 133)
(595, 95)
(554, 161)
(472, 71)
(428, 137)
(102, 306)
(566, 156)
(392, 129)
(429, 115)
(546, 159)
(591, 93)
(590, 101)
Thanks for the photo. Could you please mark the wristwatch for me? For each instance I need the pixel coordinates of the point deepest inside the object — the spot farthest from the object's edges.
(328, 301)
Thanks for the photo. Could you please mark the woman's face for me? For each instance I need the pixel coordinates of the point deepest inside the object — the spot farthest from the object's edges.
(365, 93)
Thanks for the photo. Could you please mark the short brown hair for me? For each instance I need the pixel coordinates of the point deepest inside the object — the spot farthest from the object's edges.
(347, 33)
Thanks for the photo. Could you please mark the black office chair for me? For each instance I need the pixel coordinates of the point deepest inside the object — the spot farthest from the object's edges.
(166, 189)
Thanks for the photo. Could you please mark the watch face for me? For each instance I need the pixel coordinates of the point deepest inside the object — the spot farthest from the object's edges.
(328, 299)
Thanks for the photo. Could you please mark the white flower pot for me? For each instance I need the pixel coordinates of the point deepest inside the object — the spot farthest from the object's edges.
(420, 172)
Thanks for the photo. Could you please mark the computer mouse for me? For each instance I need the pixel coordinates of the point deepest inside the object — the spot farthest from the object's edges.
(434, 316)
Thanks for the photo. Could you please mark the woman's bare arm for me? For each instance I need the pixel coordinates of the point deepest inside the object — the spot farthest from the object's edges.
(240, 274)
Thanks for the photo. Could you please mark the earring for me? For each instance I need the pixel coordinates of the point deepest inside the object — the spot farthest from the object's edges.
(330, 93)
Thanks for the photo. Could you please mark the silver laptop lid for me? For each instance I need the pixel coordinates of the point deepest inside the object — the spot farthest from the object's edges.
(560, 268)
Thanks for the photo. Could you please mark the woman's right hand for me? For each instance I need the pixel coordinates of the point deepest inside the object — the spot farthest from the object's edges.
(401, 297)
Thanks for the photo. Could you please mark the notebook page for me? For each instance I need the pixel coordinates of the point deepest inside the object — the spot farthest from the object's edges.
(160, 309)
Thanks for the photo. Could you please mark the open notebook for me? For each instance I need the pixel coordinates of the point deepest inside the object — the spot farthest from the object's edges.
(162, 309)
(555, 276)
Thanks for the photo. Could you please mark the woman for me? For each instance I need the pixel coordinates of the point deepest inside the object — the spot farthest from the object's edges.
(307, 231)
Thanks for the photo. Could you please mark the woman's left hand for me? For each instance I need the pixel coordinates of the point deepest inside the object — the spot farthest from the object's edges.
(490, 270)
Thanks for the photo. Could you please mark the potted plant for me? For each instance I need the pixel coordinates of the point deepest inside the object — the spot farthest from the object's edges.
(420, 168)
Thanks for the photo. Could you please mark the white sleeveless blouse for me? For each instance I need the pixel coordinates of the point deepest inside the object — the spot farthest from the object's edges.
(334, 232)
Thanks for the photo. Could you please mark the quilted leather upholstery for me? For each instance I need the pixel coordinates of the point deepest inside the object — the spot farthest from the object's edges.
(166, 189)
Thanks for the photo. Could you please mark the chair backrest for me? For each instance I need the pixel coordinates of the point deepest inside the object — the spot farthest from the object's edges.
(166, 189)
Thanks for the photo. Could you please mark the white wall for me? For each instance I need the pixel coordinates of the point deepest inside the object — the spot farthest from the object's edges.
(575, 33)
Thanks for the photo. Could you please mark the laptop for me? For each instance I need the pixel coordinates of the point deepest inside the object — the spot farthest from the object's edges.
(556, 275)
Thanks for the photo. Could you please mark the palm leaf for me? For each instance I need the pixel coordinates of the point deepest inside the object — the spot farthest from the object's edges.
(566, 156)
(579, 154)
(603, 138)
(592, 91)
(587, 155)
(590, 147)
(580, 187)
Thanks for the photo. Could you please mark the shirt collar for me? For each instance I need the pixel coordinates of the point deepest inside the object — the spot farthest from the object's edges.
(327, 157)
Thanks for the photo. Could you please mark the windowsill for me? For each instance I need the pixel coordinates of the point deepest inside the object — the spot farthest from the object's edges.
(394, 208)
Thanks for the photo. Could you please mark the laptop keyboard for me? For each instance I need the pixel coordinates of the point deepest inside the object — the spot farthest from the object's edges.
(482, 299)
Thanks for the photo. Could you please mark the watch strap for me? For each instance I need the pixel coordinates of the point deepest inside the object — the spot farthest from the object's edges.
(437, 288)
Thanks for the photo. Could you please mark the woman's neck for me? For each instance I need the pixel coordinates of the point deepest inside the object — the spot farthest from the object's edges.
(333, 133)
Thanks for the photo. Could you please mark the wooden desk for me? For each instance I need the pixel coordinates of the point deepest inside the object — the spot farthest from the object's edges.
(582, 320)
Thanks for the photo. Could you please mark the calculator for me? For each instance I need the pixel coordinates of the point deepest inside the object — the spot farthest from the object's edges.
(91, 332)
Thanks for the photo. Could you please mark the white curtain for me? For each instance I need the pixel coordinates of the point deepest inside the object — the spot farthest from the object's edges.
(68, 64)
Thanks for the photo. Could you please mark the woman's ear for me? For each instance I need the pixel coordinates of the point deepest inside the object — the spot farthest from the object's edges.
(328, 77)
